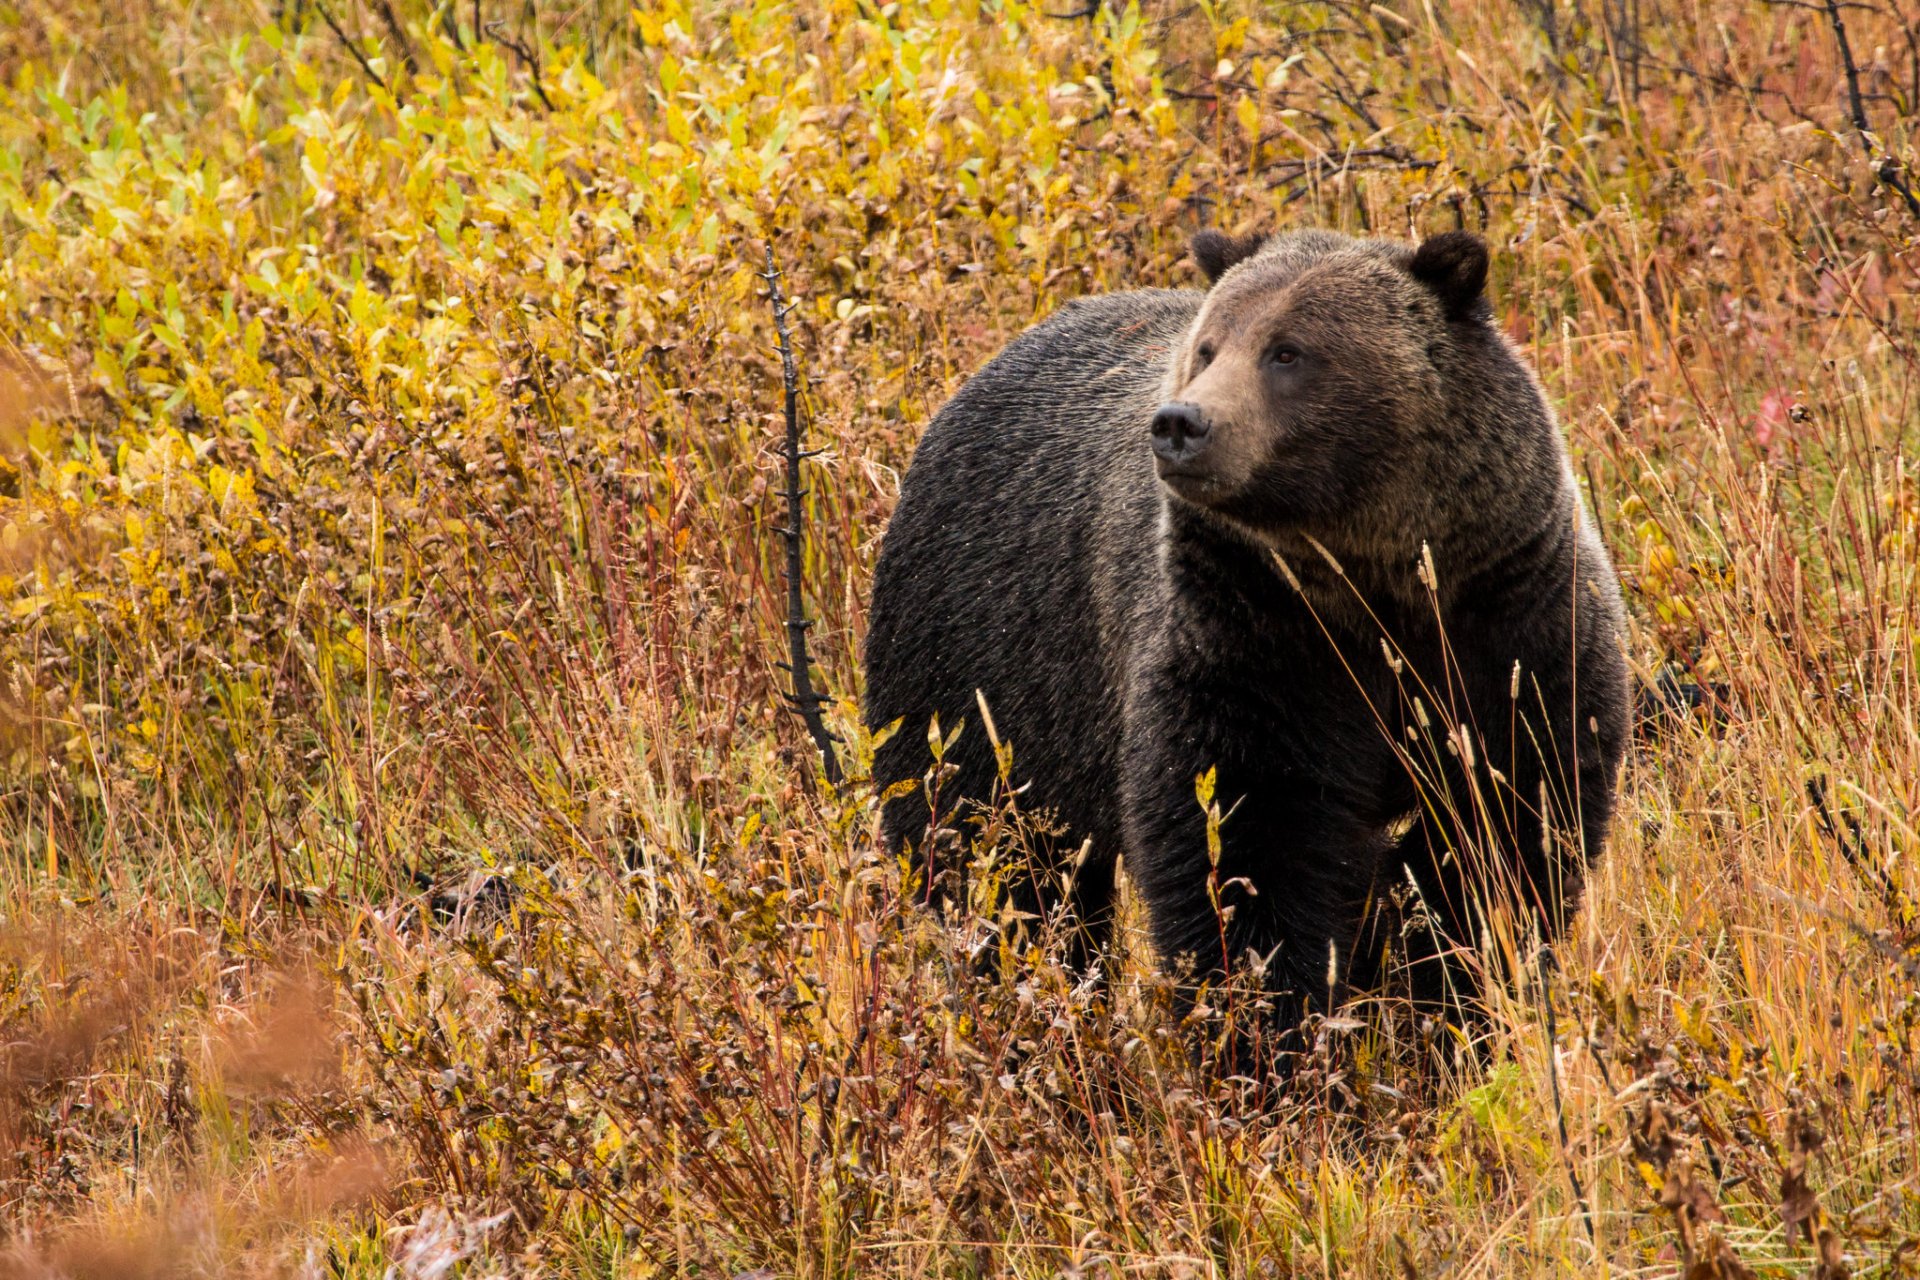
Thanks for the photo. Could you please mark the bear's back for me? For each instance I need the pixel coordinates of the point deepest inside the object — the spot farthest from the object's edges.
(1011, 561)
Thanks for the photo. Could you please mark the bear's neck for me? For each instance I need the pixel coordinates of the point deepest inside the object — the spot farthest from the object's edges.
(1362, 574)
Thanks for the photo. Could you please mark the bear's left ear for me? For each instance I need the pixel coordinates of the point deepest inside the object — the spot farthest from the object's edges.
(1215, 251)
(1454, 265)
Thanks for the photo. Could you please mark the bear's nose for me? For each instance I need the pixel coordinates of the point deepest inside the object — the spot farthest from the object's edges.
(1179, 431)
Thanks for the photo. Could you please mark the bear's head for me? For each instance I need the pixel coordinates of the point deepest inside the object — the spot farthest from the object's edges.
(1328, 380)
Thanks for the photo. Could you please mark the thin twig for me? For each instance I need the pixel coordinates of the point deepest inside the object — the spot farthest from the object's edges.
(1553, 1079)
(450, 23)
(498, 30)
(1399, 158)
(1886, 168)
(804, 699)
(399, 34)
(326, 16)
(1820, 6)
(1853, 849)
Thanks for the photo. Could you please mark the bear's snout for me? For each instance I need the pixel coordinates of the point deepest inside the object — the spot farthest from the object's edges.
(1180, 432)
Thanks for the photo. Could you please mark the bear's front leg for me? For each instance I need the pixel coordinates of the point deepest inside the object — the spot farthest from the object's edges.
(1513, 799)
(1285, 884)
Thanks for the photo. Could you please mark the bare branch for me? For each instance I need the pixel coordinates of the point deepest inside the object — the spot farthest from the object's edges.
(399, 34)
(804, 698)
(527, 54)
(1885, 167)
(326, 16)
(1553, 1078)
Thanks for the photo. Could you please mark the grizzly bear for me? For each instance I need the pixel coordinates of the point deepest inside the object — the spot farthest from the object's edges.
(1311, 534)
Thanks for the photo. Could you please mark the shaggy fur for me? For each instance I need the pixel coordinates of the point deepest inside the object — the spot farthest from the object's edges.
(1313, 529)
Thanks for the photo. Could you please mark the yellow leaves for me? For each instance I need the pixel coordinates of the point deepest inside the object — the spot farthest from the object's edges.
(666, 23)
(608, 1144)
(232, 493)
(62, 596)
(671, 73)
(313, 167)
(1231, 38)
(769, 154)
(362, 309)
(305, 82)
(1247, 112)
(1161, 115)
(679, 127)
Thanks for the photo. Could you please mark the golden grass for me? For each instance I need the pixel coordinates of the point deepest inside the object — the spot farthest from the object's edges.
(410, 870)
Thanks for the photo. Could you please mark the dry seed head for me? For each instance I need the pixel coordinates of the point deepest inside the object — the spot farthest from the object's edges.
(1286, 570)
(986, 718)
(1326, 555)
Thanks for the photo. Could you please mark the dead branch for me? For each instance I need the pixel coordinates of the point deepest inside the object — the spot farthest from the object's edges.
(804, 698)
(527, 53)
(1547, 968)
(1885, 167)
(399, 34)
(326, 16)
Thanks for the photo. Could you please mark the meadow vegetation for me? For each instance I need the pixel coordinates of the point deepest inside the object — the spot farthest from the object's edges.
(410, 868)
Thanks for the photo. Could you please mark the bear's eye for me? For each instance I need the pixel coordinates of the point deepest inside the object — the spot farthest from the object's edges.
(1284, 355)
(1203, 355)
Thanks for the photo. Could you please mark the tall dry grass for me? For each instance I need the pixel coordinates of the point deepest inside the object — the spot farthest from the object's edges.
(412, 871)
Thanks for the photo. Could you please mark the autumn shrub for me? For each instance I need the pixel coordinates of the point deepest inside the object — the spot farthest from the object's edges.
(412, 868)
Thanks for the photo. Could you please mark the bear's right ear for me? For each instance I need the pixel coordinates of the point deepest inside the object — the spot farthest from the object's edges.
(1454, 265)
(1215, 251)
